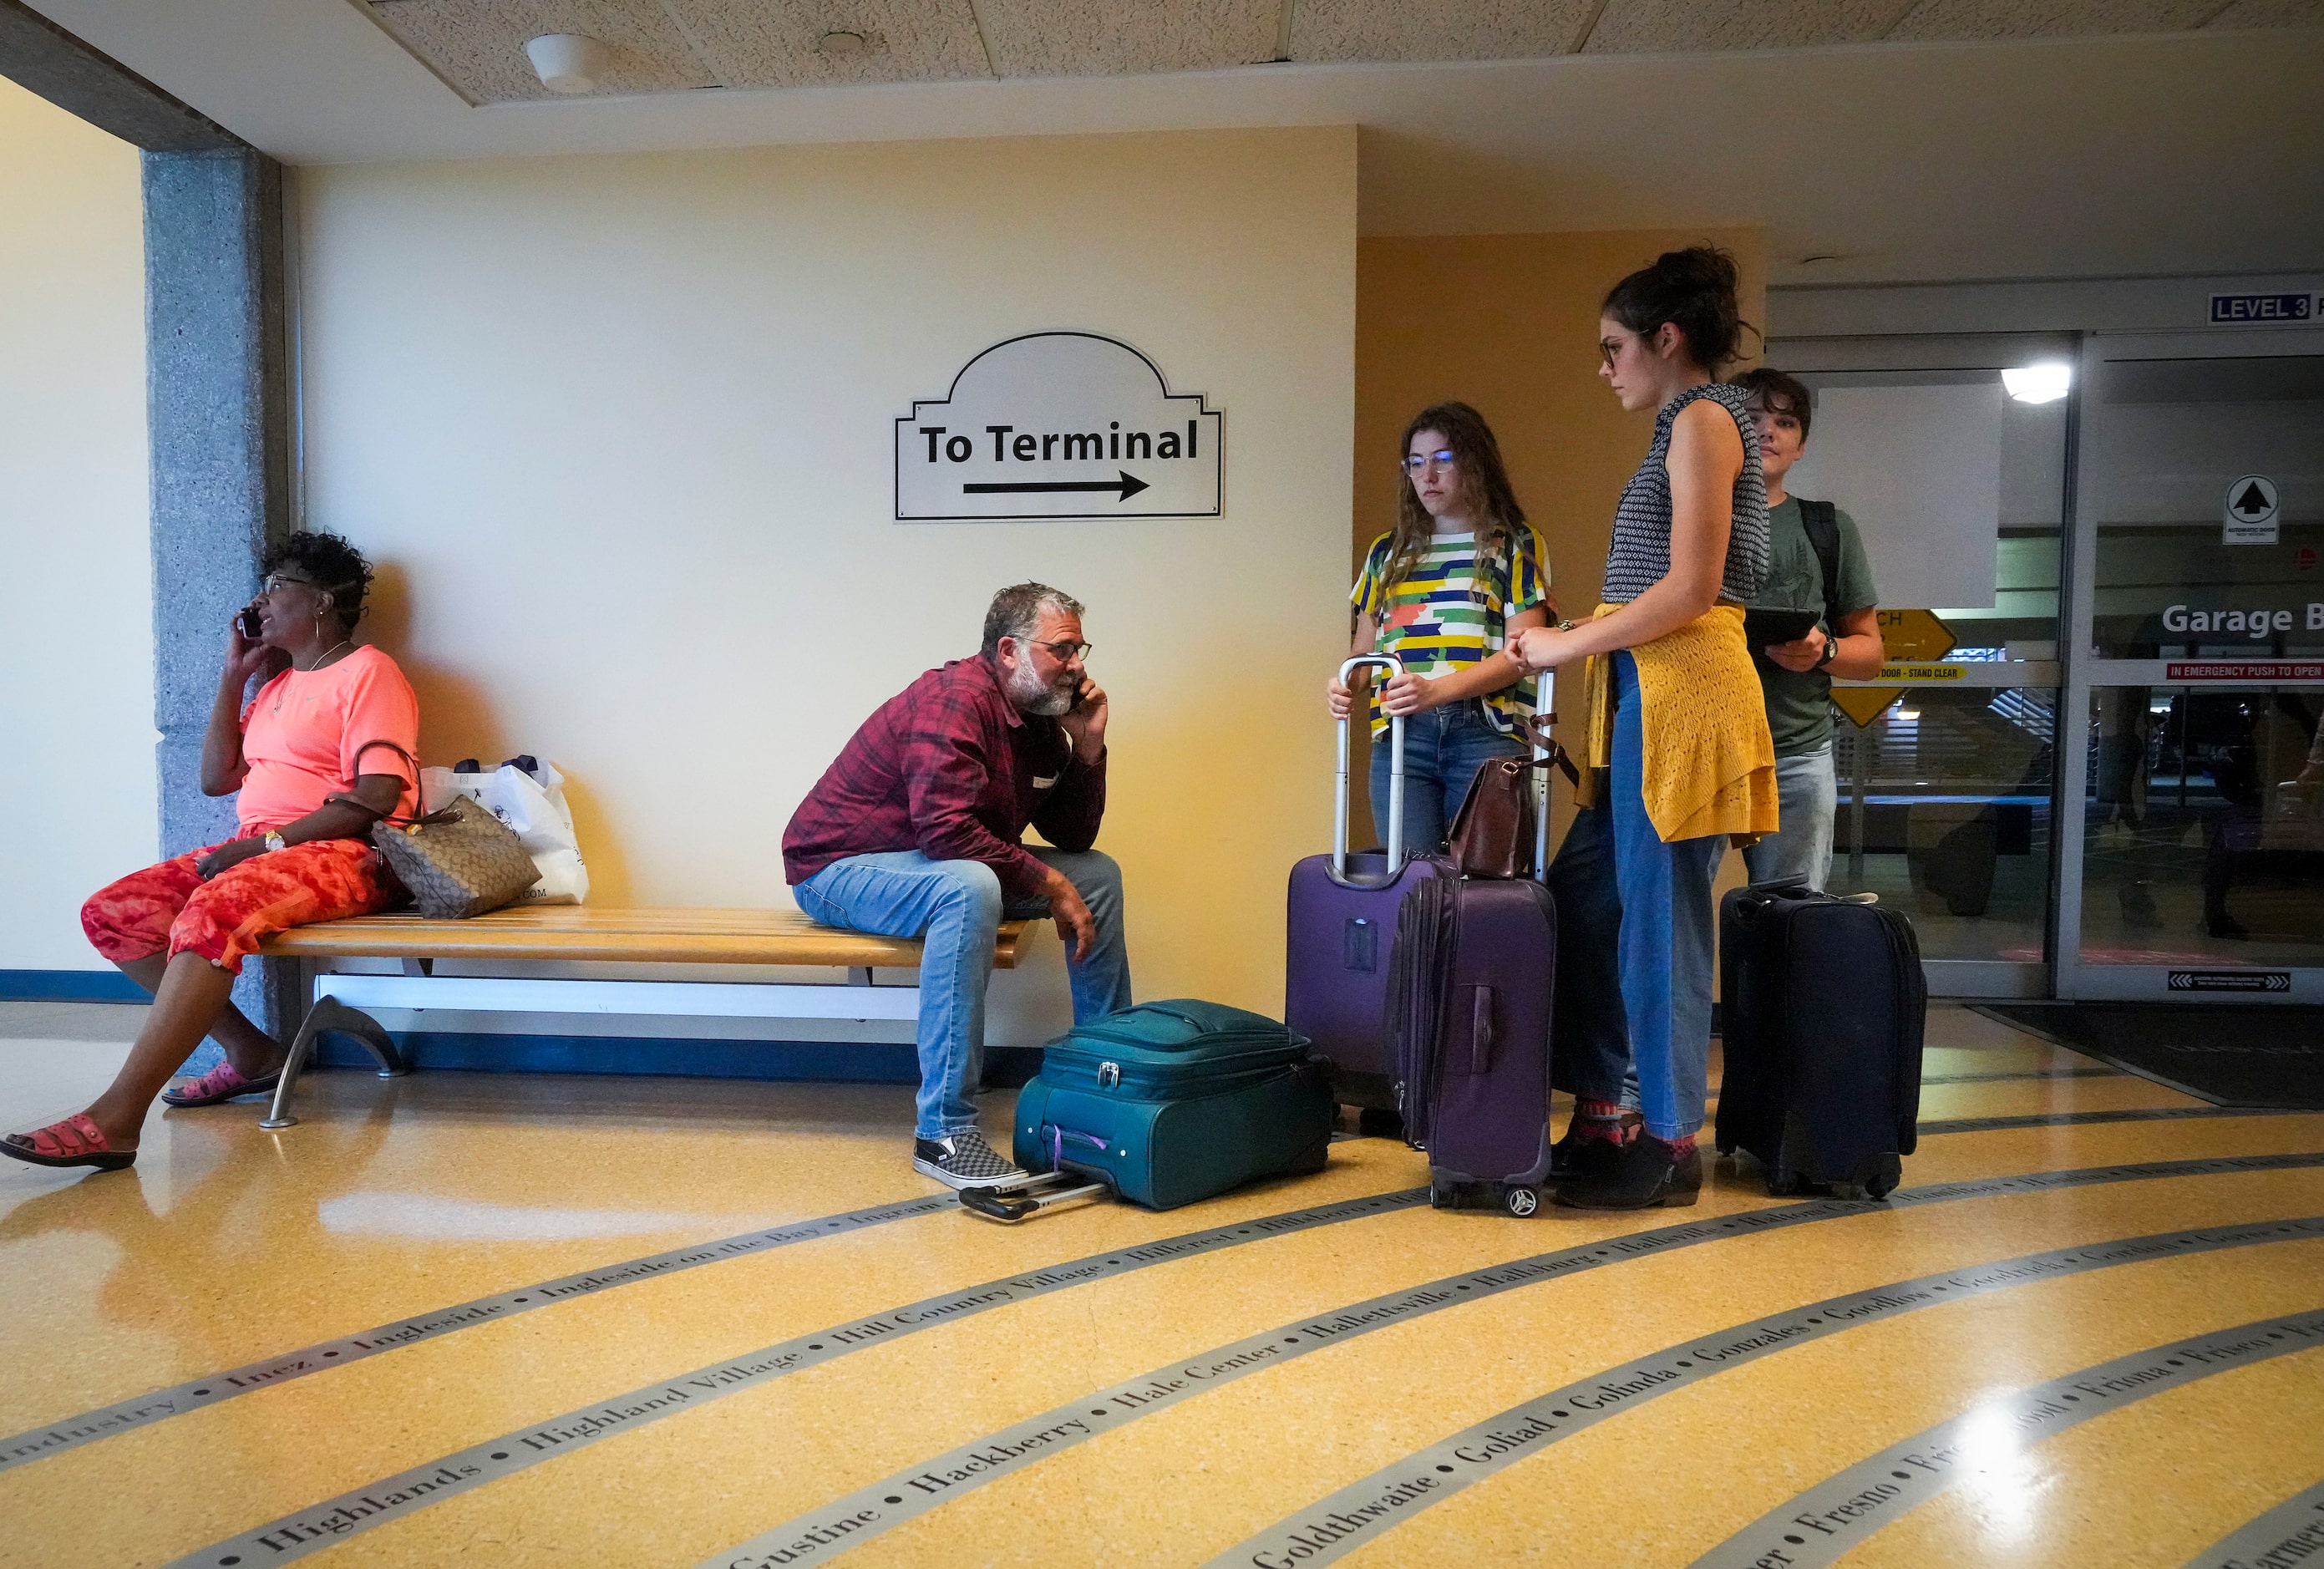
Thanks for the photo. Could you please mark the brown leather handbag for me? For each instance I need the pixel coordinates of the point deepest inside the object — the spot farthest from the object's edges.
(1493, 833)
(458, 863)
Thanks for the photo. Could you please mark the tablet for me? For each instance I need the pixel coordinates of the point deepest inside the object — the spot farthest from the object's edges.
(1761, 627)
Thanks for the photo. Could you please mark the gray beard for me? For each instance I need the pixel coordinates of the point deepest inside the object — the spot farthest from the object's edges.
(1030, 695)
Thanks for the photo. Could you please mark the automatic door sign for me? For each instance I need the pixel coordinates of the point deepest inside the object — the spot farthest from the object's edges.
(1059, 425)
(2249, 514)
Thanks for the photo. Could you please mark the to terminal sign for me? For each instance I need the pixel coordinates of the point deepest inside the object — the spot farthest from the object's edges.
(1059, 425)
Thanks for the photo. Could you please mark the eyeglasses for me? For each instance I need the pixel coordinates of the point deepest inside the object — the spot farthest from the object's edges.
(277, 582)
(1441, 458)
(1608, 347)
(1065, 653)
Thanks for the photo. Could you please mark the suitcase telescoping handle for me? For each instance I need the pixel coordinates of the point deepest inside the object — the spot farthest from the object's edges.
(1545, 714)
(1394, 827)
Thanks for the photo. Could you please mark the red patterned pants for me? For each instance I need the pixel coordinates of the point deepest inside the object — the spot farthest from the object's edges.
(169, 908)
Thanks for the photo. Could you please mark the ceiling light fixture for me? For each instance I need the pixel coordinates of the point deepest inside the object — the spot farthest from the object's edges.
(842, 45)
(569, 62)
(2044, 384)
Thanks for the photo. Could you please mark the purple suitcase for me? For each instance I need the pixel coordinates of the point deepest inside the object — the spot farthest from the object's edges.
(1343, 934)
(1475, 975)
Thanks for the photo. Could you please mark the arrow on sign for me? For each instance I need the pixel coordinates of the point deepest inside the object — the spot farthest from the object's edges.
(2254, 502)
(1129, 484)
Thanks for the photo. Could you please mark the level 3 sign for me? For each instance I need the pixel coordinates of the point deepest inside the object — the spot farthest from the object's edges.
(1059, 425)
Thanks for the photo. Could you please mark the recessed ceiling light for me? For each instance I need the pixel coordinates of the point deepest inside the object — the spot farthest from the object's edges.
(841, 45)
(2044, 384)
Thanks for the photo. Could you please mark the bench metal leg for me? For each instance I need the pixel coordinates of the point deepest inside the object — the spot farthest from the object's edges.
(330, 1013)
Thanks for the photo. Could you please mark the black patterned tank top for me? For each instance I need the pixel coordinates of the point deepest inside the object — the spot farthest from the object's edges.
(1639, 557)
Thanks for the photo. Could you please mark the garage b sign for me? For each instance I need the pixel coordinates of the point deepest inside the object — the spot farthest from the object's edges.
(1059, 425)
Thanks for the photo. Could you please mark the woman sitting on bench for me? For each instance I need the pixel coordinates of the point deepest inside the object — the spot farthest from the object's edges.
(319, 756)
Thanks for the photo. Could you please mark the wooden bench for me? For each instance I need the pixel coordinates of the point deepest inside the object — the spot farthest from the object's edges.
(663, 936)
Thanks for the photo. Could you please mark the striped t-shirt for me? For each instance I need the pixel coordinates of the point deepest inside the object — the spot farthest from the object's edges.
(1441, 618)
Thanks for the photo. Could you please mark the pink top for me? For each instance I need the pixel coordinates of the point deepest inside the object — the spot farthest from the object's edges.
(303, 735)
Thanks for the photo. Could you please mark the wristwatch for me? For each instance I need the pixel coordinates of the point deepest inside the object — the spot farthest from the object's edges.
(1830, 651)
(274, 840)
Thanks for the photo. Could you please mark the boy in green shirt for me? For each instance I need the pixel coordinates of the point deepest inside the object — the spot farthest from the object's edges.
(1795, 678)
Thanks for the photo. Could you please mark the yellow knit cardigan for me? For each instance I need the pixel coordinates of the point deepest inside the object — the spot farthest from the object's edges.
(1709, 761)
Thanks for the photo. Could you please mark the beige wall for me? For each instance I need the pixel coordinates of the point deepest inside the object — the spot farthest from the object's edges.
(1509, 323)
(618, 429)
(76, 785)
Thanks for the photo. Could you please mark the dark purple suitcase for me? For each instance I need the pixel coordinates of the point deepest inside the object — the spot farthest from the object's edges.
(1475, 984)
(1341, 933)
(1343, 936)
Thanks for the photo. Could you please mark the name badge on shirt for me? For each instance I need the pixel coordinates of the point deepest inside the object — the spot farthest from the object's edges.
(1042, 784)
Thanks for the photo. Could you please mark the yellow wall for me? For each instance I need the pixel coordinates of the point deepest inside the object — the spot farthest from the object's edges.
(77, 783)
(1509, 323)
(618, 429)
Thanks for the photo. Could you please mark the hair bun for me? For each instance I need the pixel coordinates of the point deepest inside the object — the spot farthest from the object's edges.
(1693, 290)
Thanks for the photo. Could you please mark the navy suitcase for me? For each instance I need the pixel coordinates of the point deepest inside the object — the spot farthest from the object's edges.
(1823, 1004)
(1476, 969)
(1341, 934)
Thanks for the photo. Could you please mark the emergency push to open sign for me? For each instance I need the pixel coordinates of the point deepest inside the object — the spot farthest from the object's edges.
(1059, 425)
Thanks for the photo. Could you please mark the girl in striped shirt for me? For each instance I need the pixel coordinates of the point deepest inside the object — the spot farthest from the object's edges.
(1442, 592)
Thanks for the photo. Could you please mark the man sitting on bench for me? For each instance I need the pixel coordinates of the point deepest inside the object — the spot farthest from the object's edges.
(914, 832)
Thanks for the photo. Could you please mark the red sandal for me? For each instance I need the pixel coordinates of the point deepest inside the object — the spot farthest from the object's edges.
(222, 1082)
(75, 1142)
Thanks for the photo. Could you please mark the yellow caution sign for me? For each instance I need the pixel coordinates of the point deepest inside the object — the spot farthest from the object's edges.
(1913, 635)
(1865, 704)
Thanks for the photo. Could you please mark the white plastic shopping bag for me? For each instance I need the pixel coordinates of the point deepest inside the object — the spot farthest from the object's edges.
(531, 802)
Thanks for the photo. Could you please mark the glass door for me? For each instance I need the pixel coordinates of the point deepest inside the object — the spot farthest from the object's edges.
(1956, 472)
(2197, 679)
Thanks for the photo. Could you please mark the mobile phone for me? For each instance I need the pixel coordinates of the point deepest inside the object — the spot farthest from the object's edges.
(248, 622)
(1080, 702)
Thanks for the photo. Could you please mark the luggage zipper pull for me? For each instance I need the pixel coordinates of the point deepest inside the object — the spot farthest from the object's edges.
(1109, 1075)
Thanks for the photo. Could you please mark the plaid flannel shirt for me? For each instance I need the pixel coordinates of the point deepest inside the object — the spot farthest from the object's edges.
(949, 767)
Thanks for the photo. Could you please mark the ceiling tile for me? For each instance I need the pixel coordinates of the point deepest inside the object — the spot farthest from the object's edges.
(2250, 14)
(1999, 19)
(478, 45)
(770, 44)
(1685, 26)
(1426, 29)
(1087, 38)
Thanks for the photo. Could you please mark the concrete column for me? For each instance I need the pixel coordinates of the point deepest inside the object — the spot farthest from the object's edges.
(217, 408)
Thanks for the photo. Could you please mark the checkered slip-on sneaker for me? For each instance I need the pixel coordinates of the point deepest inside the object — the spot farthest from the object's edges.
(965, 1160)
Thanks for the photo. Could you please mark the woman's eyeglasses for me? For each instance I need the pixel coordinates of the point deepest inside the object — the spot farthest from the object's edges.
(1441, 458)
(1608, 349)
(280, 581)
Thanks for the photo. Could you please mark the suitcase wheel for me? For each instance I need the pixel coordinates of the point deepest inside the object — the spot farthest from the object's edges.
(1521, 1201)
(1880, 1184)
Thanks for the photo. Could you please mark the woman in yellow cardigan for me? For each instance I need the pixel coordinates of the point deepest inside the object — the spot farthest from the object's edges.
(1675, 717)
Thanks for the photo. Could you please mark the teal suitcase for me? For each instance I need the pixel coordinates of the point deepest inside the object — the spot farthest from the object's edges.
(1168, 1103)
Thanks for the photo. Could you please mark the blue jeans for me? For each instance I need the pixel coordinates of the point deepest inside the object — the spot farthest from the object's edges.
(1669, 929)
(1808, 794)
(1591, 1038)
(955, 908)
(1442, 751)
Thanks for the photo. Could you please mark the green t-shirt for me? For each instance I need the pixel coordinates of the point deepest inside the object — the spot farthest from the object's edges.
(1799, 702)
